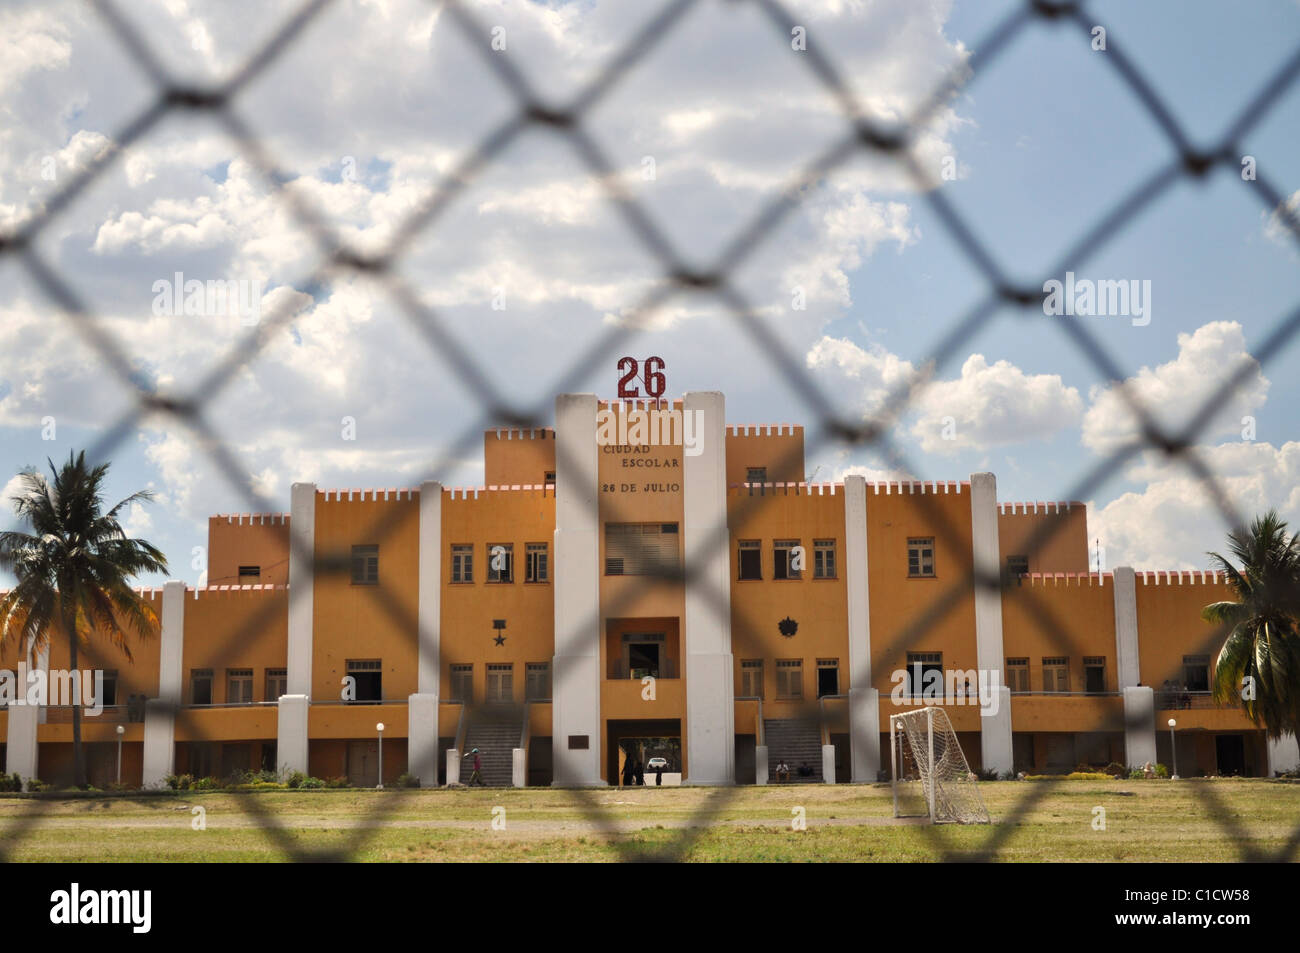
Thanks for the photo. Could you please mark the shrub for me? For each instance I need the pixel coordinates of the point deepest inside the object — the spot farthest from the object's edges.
(311, 784)
(179, 782)
(1007, 776)
(988, 774)
(338, 782)
(408, 781)
(11, 782)
(205, 784)
(295, 779)
(1116, 770)
(36, 785)
(1162, 771)
(1089, 776)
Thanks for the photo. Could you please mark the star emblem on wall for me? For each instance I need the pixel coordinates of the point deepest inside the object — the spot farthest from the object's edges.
(788, 627)
(500, 639)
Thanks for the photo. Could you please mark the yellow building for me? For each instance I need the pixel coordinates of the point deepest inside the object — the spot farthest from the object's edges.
(643, 580)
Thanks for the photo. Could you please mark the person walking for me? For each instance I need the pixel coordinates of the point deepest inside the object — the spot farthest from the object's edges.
(629, 773)
(659, 775)
(477, 773)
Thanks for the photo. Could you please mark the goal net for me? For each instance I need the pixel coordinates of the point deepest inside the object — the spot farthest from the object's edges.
(930, 775)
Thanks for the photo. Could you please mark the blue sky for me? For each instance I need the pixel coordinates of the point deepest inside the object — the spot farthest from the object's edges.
(1046, 138)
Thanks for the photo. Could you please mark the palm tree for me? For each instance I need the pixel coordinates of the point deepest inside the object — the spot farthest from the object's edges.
(1262, 642)
(73, 570)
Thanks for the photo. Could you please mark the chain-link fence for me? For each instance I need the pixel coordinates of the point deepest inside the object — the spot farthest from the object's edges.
(863, 133)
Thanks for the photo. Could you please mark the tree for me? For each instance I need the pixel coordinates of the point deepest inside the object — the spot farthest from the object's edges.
(73, 570)
(1262, 643)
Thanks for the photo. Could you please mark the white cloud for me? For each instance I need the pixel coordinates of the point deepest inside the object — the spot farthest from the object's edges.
(1173, 392)
(1276, 226)
(1173, 521)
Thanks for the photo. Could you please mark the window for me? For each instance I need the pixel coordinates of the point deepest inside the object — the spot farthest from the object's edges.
(828, 677)
(1017, 566)
(755, 474)
(201, 686)
(1018, 674)
(1196, 673)
(1056, 674)
(500, 682)
(751, 678)
(537, 681)
(501, 562)
(109, 694)
(462, 684)
(783, 559)
(462, 563)
(536, 568)
(368, 676)
(920, 556)
(749, 557)
(250, 572)
(789, 678)
(549, 478)
(277, 683)
(365, 565)
(1094, 674)
(239, 686)
(823, 559)
(918, 665)
(641, 549)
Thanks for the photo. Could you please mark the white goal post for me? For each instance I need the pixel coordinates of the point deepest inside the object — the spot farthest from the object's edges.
(929, 773)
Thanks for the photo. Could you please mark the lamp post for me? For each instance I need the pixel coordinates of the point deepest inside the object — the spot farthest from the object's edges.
(380, 728)
(120, 732)
(1173, 749)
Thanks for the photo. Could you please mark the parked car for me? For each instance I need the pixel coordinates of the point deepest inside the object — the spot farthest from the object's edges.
(653, 763)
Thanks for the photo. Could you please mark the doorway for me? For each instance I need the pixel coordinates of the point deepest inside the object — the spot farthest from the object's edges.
(828, 677)
(1231, 753)
(501, 683)
(643, 740)
(643, 659)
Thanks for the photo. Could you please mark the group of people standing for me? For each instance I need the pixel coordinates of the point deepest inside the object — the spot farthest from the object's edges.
(634, 773)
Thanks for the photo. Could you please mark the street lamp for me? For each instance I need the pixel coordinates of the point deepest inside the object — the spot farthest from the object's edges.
(120, 732)
(1173, 749)
(380, 728)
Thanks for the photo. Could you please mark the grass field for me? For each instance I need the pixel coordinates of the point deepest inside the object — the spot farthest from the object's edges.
(1145, 821)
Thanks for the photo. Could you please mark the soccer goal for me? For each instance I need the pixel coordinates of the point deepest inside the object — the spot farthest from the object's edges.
(930, 775)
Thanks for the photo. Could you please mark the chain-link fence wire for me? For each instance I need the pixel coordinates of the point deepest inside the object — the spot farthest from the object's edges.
(863, 134)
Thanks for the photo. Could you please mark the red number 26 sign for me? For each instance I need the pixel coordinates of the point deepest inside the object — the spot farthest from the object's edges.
(655, 383)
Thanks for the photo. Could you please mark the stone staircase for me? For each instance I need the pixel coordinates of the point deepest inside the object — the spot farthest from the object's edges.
(796, 741)
(496, 731)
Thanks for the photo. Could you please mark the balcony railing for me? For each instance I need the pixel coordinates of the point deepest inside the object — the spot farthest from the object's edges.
(1177, 698)
(620, 669)
(118, 714)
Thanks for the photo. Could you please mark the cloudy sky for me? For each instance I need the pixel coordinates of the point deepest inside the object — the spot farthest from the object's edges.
(377, 101)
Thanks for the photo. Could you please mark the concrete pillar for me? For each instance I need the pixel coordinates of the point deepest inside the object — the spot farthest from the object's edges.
(1139, 725)
(995, 722)
(1283, 754)
(518, 768)
(1126, 627)
(575, 691)
(760, 764)
(453, 766)
(710, 669)
(291, 748)
(160, 712)
(430, 591)
(20, 744)
(828, 764)
(302, 576)
(995, 732)
(422, 738)
(864, 701)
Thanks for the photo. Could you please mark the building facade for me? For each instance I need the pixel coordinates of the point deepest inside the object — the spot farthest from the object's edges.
(643, 579)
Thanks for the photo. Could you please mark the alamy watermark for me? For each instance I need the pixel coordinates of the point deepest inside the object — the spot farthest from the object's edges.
(1103, 298)
(221, 298)
(640, 428)
(59, 688)
(927, 685)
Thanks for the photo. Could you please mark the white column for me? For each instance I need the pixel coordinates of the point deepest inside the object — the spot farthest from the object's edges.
(21, 745)
(710, 670)
(302, 575)
(760, 764)
(422, 738)
(518, 768)
(576, 671)
(160, 712)
(430, 588)
(453, 766)
(1139, 726)
(1139, 702)
(995, 731)
(1283, 754)
(291, 748)
(864, 700)
(828, 764)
